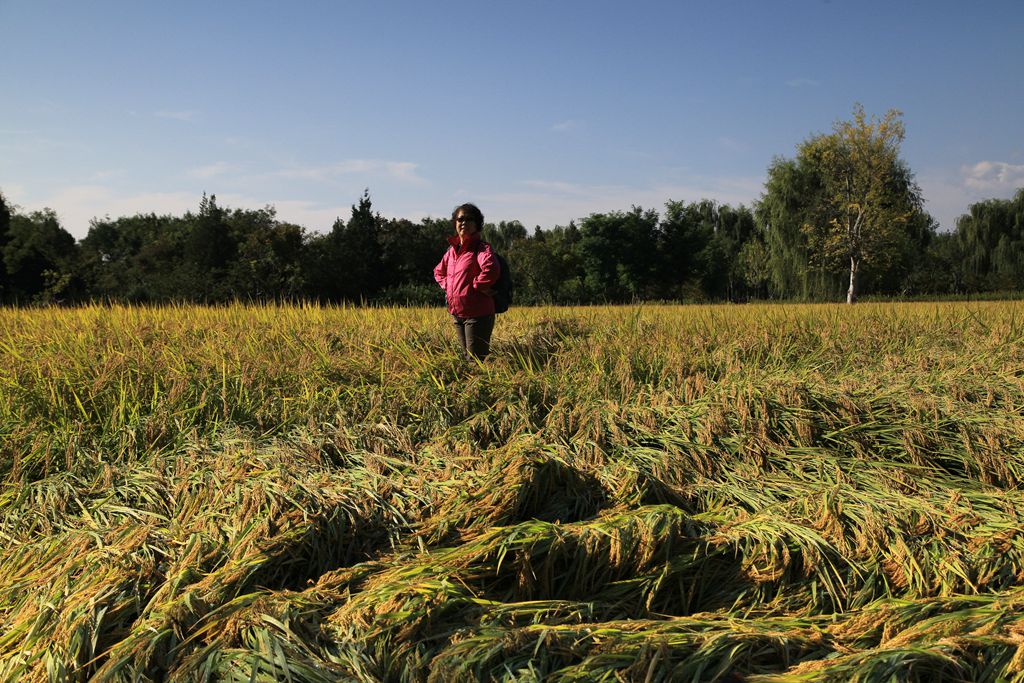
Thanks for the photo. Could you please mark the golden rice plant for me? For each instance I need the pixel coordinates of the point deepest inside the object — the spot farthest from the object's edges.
(274, 492)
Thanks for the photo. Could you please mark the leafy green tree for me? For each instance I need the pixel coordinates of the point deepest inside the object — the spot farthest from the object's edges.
(210, 248)
(991, 238)
(565, 281)
(40, 259)
(347, 264)
(409, 252)
(897, 274)
(753, 267)
(112, 260)
(214, 255)
(699, 250)
(268, 266)
(5, 229)
(618, 252)
(503, 235)
(940, 269)
(700, 245)
(793, 198)
(5, 220)
(847, 207)
(321, 264)
(869, 194)
(538, 274)
(683, 238)
(733, 228)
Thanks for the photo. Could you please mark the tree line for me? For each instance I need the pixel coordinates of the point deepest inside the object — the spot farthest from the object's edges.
(842, 218)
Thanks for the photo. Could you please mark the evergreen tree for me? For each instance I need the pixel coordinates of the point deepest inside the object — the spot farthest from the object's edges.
(209, 250)
(360, 250)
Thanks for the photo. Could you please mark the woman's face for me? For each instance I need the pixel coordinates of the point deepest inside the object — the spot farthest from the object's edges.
(465, 225)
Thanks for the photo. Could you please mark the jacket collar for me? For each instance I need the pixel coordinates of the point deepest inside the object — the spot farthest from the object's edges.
(471, 242)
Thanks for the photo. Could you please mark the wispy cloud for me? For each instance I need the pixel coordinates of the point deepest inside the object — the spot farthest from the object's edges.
(803, 83)
(12, 192)
(315, 216)
(948, 192)
(945, 195)
(104, 175)
(212, 170)
(78, 205)
(544, 202)
(555, 202)
(993, 176)
(176, 115)
(550, 187)
(728, 190)
(566, 126)
(404, 171)
(32, 143)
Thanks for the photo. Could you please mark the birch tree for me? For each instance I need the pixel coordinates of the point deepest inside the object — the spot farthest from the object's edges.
(870, 193)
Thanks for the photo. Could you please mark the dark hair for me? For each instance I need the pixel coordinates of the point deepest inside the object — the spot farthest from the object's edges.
(472, 211)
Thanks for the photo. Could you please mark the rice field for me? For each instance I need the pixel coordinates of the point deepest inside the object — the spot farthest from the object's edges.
(760, 493)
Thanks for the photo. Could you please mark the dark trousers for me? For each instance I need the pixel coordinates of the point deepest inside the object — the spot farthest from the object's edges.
(474, 335)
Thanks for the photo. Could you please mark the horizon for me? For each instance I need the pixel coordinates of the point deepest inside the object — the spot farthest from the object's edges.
(539, 112)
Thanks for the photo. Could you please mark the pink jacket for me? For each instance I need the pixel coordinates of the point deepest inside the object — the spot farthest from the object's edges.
(464, 270)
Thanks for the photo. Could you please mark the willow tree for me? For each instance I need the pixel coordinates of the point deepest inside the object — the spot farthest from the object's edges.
(991, 238)
(794, 199)
(869, 193)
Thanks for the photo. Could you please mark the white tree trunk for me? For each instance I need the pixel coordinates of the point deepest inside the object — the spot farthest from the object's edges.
(851, 293)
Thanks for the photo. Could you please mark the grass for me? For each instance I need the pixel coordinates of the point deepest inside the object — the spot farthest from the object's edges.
(779, 492)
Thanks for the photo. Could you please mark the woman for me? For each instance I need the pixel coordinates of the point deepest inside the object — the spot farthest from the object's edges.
(467, 272)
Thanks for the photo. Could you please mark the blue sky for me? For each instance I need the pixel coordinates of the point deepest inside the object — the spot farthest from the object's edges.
(542, 112)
